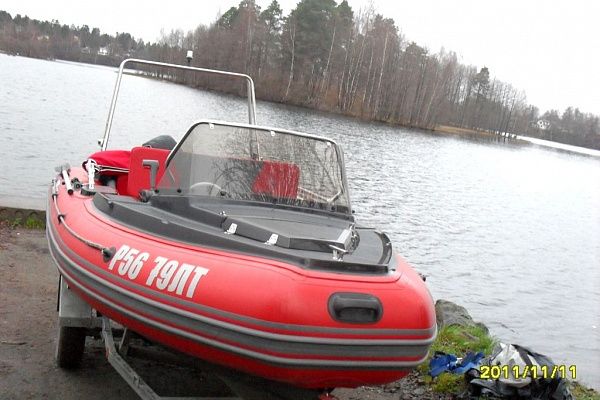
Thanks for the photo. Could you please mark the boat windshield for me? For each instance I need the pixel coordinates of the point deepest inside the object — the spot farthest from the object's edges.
(257, 164)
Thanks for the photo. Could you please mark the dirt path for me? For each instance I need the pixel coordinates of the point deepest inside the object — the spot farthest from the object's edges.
(28, 330)
(28, 327)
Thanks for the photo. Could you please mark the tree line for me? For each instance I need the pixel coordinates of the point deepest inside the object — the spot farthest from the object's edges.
(322, 55)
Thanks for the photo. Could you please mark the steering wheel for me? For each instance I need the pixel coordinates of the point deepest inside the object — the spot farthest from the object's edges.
(209, 188)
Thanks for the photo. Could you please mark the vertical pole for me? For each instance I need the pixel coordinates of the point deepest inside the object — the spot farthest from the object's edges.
(113, 104)
(251, 102)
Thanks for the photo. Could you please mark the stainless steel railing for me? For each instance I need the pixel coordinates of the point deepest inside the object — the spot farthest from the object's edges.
(113, 102)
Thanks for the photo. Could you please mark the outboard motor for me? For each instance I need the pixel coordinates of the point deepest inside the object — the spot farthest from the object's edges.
(161, 142)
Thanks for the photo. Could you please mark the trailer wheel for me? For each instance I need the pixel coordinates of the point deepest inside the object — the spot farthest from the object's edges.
(71, 343)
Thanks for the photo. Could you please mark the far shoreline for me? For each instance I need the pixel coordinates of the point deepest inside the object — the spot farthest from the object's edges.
(438, 128)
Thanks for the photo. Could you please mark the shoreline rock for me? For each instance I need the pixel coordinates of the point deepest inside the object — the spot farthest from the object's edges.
(448, 313)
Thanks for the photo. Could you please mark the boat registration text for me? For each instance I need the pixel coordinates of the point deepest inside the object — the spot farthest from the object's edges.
(166, 274)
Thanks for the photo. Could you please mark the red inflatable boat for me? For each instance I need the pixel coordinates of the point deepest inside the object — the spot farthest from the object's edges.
(238, 245)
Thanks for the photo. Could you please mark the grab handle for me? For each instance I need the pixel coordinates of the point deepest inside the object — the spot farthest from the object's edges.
(153, 165)
(357, 308)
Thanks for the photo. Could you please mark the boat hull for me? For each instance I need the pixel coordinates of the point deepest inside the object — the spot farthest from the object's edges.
(261, 316)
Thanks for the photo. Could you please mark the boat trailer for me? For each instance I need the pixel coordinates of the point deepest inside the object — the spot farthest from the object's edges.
(77, 319)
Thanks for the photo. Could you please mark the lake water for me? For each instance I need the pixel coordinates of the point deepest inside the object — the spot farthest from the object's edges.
(510, 231)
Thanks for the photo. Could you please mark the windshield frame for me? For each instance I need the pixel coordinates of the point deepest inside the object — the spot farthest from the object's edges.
(338, 149)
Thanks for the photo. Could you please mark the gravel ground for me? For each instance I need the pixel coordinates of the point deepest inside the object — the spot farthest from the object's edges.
(409, 388)
(28, 327)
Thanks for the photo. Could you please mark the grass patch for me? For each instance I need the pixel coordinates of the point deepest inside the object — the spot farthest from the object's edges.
(30, 223)
(15, 223)
(449, 383)
(457, 340)
(456, 130)
(34, 223)
(583, 393)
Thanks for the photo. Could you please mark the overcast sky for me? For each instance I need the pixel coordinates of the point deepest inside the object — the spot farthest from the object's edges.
(550, 49)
